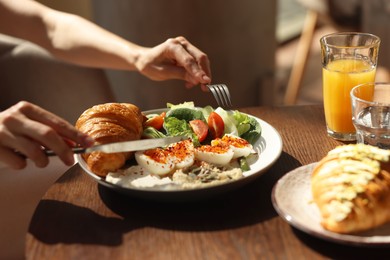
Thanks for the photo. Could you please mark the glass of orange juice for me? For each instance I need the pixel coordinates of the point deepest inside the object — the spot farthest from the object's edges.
(348, 59)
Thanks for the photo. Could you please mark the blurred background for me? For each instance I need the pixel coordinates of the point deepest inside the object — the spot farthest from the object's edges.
(267, 52)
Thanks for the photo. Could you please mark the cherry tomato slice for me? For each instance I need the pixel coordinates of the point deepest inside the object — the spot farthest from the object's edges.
(200, 128)
(216, 125)
(156, 122)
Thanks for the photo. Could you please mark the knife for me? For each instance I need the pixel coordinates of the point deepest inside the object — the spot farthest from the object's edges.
(128, 146)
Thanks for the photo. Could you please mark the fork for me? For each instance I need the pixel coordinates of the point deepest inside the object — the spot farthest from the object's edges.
(221, 94)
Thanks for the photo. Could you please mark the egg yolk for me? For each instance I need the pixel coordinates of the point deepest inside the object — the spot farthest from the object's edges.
(159, 155)
(219, 149)
(237, 142)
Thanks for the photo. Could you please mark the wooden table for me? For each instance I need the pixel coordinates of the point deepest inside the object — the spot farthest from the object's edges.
(79, 219)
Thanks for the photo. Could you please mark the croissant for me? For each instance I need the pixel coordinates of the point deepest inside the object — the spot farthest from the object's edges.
(106, 123)
(351, 187)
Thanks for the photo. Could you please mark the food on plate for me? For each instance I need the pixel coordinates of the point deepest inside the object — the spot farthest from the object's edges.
(215, 154)
(197, 176)
(155, 121)
(183, 166)
(240, 146)
(351, 187)
(216, 125)
(186, 119)
(106, 123)
(216, 151)
(205, 174)
(200, 128)
(183, 154)
(162, 161)
(223, 150)
(222, 144)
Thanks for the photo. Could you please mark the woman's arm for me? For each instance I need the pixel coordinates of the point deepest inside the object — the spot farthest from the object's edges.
(77, 40)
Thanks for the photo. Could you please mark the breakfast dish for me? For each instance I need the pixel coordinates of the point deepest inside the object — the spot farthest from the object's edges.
(312, 197)
(132, 178)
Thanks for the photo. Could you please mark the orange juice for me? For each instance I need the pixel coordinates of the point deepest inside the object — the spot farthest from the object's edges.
(339, 77)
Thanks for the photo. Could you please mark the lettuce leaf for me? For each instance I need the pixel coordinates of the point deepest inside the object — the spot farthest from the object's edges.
(177, 127)
(150, 132)
(207, 111)
(240, 124)
(189, 104)
(249, 127)
(243, 122)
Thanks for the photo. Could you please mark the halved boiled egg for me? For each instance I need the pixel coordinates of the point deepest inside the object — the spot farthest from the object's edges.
(157, 161)
(183, 152)
(219, 154)
(163, 161)
(240, 146)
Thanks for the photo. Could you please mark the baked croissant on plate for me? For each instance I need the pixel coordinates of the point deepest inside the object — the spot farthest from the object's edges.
(107, 123)
(351, 187)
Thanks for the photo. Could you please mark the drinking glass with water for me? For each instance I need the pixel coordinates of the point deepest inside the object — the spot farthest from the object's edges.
(371, 113)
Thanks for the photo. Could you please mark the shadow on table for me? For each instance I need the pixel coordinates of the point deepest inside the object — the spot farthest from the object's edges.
(70, 224)
(244, 206)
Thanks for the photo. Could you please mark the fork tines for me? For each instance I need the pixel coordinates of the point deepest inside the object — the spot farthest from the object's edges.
(221, 94)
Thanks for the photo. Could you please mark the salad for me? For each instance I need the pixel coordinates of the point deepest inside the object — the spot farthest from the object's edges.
(202, 125)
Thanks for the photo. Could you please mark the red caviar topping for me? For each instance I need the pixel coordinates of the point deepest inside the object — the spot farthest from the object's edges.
(158, 155)
(181, 149)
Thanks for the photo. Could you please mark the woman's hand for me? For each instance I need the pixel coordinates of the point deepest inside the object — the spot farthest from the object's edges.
(175, 59)
(27, 129)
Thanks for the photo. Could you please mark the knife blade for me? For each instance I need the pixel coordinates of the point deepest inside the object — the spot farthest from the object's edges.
(128, 146)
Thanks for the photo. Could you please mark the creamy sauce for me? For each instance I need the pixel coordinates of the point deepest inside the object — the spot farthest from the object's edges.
(136, 176)
(205, 175)
(199, 175)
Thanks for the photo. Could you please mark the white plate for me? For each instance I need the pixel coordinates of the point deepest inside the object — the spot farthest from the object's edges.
(269, 147)
(292, 199)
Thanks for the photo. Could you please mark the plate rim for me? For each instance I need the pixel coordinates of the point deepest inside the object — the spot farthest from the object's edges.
(275, 152)
(347, 239)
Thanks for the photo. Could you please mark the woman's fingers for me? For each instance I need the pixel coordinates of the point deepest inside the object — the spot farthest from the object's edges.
(198, 67)
(28, 129)
(12, 159)
(194, 61)
(59, 125)
(16, 146)
(176, 59)
(43, 135)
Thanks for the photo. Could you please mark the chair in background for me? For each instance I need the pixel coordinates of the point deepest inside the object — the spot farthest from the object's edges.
(341, 14)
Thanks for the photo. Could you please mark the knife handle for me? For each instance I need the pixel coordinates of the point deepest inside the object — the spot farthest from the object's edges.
(51, 153)
(74, 150)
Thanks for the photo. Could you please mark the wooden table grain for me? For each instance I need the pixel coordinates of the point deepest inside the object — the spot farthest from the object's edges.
(79, 219)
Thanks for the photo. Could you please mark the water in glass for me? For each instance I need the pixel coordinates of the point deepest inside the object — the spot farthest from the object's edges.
(373, 126)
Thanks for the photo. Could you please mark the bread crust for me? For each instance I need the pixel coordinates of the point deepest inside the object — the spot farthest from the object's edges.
(107, 123)
(351, 187)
